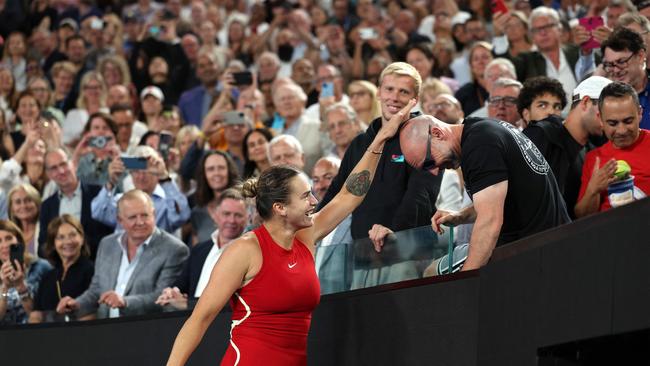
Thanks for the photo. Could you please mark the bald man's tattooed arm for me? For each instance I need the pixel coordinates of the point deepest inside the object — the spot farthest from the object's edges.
(359, 183)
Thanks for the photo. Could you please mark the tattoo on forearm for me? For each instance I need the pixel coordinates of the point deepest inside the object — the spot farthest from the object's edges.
(358, 183)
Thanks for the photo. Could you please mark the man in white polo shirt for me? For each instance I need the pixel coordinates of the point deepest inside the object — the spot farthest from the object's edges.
(231, 218)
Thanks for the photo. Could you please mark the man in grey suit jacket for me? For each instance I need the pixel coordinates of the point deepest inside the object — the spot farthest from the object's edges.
(132, 267)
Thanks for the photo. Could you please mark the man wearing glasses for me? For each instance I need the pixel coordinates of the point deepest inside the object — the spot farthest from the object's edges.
(72, 197)
(512, 187)
(502, 103)
(624, 60)
(563, 62)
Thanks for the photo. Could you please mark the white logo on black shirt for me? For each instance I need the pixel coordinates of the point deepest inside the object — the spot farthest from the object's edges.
(529, 151)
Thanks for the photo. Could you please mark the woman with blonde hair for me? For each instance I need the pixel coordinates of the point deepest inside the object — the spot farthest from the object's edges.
(363, 99)
(473, 95)
(114, 70)
(428, 93)
(40, 87)
(24, 207)
(18, 281)
(92, 99)
(63, 75)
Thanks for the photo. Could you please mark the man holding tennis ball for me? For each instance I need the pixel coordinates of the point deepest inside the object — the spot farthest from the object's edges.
(619, 171)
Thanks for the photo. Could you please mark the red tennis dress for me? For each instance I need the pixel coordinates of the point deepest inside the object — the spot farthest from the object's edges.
(272, 313)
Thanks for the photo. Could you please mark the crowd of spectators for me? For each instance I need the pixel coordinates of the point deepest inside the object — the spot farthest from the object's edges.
(126, 127)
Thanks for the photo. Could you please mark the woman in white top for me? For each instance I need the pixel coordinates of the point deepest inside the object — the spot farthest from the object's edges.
(92, 99)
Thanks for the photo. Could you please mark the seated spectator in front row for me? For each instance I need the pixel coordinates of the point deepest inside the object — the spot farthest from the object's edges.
(18, 282)
(67, 249)
(286, 149)
(132, 267)
(332, 259)
(621, 114)
(502, 103)
(231, 217)
(72, 197)
(562, 144)
(172, 209)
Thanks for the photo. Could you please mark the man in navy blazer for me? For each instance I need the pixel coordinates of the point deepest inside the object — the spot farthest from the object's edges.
(72, 197)
(195, 103)
(231, 218)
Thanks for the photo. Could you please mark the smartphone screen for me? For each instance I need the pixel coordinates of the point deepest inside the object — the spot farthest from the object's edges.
(234, 118)
(591, 23)
(367, 33)
(327, 90)
(134, 162)
(98, 142)
(16, 252)
(243, 78)
(498, 6)
(165, 144)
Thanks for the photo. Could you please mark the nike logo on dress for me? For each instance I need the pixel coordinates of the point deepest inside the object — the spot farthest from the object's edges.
(292, 265)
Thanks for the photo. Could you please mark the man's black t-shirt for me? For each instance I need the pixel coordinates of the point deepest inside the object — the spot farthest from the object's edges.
(494, 151)
(565, 155)
(400, 196)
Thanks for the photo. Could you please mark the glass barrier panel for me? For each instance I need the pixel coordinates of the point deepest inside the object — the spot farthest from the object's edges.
(343, 264)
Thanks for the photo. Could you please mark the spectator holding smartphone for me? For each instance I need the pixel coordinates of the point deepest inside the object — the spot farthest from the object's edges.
(96, 149)
(19, 280)
(171, 207)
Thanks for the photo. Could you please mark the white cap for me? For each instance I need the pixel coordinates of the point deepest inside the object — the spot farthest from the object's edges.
(460, 18)
(590, 87)
(152, 90)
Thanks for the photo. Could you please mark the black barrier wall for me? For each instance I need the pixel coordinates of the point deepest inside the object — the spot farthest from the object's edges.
(584, 280)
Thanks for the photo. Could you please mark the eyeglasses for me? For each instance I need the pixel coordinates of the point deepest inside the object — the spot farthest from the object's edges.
(505, 101)
(621, 63)
(358, 94)
(429, 162)
(441, 105)
(543, 28)
(340, 124)
(61, 165)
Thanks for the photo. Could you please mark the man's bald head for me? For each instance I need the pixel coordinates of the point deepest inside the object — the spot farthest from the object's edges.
(426, 131)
